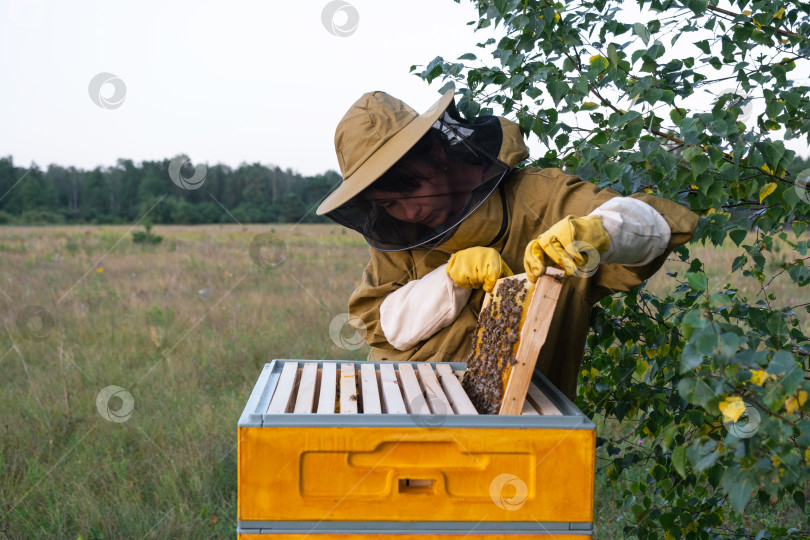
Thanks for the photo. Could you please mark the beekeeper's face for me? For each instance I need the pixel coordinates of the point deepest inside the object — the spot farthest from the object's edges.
(432, 203)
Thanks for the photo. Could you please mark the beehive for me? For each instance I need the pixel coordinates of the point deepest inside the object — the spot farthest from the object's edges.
(377, 449)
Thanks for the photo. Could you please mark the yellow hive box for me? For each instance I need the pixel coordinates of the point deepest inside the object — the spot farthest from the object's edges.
(376, 449)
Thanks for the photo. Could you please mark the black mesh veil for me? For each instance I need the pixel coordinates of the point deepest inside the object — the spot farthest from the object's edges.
(469, 152)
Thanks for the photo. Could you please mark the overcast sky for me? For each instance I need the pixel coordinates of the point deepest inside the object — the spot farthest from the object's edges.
(224, 82)
(221, 81)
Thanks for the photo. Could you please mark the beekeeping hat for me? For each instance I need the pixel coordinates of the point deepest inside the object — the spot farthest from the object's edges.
(376, 132)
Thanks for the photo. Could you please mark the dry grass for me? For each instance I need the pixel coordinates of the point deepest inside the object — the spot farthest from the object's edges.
(184, 326)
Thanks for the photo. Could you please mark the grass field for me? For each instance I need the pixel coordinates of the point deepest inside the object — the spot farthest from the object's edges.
(184, 328)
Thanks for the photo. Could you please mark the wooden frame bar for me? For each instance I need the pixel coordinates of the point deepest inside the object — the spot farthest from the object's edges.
(284, 389)
(532, 337)
(326, 401)
(348, 389)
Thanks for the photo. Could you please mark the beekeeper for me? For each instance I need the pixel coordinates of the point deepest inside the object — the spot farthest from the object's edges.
(446, 213)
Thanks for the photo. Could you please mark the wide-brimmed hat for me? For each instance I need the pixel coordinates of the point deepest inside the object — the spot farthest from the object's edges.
(372, 136)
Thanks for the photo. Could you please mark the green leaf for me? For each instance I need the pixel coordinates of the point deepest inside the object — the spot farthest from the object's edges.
(641, 31)
(737, 236)
(557, 89)
(468, 56)
(704, 46)
(739, 494)
(699, 164)
(799, 499)
(679, 460)
(800, 275)
(781, 362)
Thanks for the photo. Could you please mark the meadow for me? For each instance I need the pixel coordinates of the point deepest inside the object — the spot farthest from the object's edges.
(183, 327)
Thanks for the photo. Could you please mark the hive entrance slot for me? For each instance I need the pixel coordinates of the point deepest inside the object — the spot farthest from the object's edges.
(415, 485)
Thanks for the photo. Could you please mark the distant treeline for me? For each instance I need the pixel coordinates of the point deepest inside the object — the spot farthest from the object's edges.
(128, 191)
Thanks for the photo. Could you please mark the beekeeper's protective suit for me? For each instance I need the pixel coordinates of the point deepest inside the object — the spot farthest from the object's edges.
(413, 306)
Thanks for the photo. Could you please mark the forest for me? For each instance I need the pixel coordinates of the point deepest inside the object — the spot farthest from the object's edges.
(123, 193)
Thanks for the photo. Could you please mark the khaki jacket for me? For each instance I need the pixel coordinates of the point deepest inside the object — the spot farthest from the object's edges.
(535, 200)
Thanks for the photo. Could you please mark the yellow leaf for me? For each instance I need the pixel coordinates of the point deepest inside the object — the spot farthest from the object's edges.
(779, 13)
(791, 405)
(598, 64)
(766, 190)
(732, 408)
(759, 376)
(794, 403)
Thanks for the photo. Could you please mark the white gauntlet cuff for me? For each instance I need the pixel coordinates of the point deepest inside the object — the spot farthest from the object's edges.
(638, 233)
(421, 308)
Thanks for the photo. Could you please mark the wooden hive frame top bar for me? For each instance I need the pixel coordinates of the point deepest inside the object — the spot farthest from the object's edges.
(423, 389)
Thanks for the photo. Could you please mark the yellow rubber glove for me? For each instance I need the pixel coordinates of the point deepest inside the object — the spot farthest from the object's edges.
(475, 267)
(569, 244)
